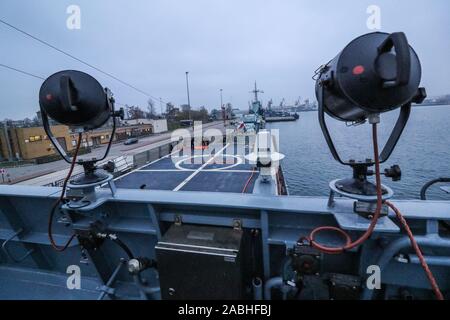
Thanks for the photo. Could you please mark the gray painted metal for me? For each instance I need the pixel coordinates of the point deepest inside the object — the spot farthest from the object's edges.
(140, 217)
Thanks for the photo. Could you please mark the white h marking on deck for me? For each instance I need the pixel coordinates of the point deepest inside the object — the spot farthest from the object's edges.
(181, 185)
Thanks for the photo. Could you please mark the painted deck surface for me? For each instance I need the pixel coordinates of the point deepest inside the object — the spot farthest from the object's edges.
(218, 168)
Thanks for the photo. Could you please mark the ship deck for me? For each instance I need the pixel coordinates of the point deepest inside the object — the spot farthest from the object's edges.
(217, 168)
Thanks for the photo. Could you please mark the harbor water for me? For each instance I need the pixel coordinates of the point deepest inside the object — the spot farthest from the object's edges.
(423, 151)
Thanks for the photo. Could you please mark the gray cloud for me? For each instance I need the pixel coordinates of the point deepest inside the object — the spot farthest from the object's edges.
(223, 43)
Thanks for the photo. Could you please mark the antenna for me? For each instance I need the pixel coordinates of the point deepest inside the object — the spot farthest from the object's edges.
(256, 91)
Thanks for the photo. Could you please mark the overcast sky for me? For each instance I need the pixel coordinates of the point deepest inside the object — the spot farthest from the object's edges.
(222, 43)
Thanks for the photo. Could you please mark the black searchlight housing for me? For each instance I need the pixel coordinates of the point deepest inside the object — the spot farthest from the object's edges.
(375, 73)
(77, 100)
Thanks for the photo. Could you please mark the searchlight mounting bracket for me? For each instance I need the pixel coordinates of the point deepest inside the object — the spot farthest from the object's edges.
(358, 187)
(81, 189)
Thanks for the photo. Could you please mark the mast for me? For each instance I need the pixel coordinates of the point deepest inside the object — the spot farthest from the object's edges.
(256, 91)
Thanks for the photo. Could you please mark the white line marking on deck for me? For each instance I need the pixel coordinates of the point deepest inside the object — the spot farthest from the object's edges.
(143, 166)
(192, 170)
(239, 161)
(181, 185)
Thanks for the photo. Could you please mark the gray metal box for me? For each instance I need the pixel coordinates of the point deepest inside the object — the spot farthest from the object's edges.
(200, 262)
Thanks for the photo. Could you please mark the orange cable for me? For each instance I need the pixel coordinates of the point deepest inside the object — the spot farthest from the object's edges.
(349, 244)
(416, 248)
(248, 182)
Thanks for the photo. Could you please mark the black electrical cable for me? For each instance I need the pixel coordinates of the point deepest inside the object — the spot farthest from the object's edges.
(60, 199)
(40, 78)
(21, 71)
(78, 59)
(423, 191)
(121, 244)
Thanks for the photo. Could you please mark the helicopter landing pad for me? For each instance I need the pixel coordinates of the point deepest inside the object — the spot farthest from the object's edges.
(215, 169)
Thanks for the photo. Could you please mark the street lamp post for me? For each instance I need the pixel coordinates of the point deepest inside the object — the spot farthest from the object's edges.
(187, 88)
(222, 107)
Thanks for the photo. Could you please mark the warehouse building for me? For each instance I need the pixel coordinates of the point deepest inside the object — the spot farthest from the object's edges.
(31, 143)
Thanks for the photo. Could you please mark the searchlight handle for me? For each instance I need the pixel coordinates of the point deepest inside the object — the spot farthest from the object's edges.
(399, 43)
(68, 94)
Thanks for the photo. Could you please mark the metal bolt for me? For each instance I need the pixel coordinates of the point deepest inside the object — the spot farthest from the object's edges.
(134, 266)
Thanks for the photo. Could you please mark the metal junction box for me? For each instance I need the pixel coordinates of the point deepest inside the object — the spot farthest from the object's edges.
(200, 262)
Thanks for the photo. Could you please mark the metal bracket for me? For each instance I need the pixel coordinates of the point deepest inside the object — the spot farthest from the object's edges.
(178, 220)
(446, 189)
(331, 202)
(237, 224)
(334, 190)
(5, 248)
(107, 290)
(112, 187)
(388, 147)
(84, 259)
